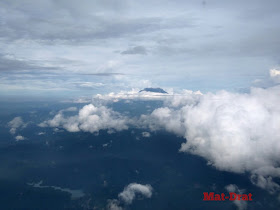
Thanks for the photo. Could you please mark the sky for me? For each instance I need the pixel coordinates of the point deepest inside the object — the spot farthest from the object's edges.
(77, 48)
(218, 61)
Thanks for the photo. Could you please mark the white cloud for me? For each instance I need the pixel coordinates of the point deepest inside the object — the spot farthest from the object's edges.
(133, 94)
(114, 205)
(275, 75)
(184, 97)
(272, 80)
(15, 124)
(146, 134)
(235, 132)
(274, 72)
(19, 138)
(241, 205)
(265, 182)
(90, 118)
(170, 99)
(165, 118)
(130, 191)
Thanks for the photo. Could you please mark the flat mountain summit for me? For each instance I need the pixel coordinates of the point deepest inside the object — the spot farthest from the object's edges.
(154, 90)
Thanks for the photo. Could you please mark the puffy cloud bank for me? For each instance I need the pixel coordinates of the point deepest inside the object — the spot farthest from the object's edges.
(90, 118)
(235, 132)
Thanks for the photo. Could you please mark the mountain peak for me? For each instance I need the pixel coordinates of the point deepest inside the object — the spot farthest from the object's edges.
(154, 90)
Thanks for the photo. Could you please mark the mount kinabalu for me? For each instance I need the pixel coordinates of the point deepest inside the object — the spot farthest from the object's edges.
(154, 90)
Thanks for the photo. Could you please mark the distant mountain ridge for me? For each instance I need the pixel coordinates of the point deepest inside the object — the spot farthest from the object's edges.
(154, 90)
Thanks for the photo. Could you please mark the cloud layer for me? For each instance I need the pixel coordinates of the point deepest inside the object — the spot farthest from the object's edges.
(50, 45)
(235, 132)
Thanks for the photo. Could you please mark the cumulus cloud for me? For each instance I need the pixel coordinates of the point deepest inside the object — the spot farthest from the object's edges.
(275, 75)
(15, 124)
(146, 134)
(272, 79)
(164, 118)
(265, 182)
(114, 204)
(235, 132)
(90, 118)
(19, 138)
(184, 97)
(241, 205)
(130, 191)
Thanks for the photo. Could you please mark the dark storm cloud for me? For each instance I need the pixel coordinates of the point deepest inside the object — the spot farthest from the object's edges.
(135, 50)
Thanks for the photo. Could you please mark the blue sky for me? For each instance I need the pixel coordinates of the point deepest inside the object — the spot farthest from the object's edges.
(72, 48)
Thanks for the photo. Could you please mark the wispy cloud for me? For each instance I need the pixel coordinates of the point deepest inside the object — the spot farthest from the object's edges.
(135, 50)
(241, 205)
(15, 124)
